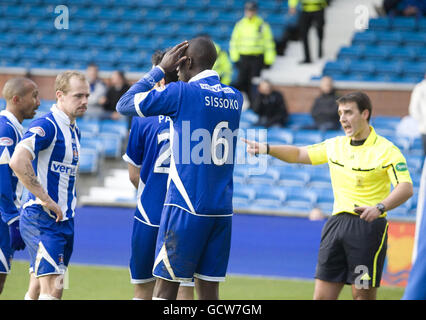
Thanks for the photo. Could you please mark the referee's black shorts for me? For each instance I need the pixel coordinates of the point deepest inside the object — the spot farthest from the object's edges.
(352, 251)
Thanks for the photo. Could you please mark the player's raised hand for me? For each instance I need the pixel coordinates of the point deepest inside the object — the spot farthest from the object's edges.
(52, 206)
(255, 148)
(174, 57)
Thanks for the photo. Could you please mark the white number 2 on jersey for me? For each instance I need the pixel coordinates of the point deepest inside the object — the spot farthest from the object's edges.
(162, 158)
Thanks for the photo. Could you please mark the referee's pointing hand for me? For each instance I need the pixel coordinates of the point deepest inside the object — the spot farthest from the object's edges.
(255, 148)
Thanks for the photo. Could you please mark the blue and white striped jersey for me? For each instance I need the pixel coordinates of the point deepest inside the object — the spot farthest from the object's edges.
(55, 146)
(149, 150)
(206, 116)
(11, 132)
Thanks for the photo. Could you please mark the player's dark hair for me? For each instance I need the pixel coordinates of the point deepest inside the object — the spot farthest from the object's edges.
(156, 58)
(362, 101)
(203, 51)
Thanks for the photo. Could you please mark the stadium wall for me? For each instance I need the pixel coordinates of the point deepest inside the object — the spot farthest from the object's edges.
(387, 100)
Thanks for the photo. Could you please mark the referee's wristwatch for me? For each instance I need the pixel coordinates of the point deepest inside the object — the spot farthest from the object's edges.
(381, 207)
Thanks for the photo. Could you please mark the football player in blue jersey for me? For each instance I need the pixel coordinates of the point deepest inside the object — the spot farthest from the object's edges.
(195, 227)
(22, 101)
(46, 162)
(148, 158)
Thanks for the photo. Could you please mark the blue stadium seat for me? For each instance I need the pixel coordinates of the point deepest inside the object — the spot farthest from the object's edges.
(335, 67)
(364, 38)
(351, 53)
(89, 161)
(240, 174)
(387, 68)
(114, 126)
(416, 146)
(249, 115)
(363, 68)
(280, 136)
(306, 137)
(414, 163)
(89, 128)
(404, 23)
(292, 176)
(379, 24)
(244, 192)
(422, 25)
(324, 199)
(403, 54)
(390, 38)
(270, 177)
(2, 103)
(298, 199)
(417, 39)
(320, 178)
(93, 143)
(421, 54)
(332, 133)
(386, 122)
(376, 53)
(267, 195)
(299, 120)
(112, 143)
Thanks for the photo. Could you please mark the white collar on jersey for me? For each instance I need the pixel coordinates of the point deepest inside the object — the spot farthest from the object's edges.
(60, 115)
(204, 74)
(11, 117)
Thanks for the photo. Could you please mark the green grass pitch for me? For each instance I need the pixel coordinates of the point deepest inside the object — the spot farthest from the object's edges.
(113, 283)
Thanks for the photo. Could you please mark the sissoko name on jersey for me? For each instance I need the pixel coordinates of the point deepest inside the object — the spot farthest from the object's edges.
(200, 188)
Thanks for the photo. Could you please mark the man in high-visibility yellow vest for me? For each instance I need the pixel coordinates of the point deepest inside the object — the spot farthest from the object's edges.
(312, 13)
(223, 65)
(252, 47)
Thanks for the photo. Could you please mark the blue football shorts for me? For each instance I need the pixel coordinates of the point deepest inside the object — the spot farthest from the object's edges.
(6, 252)
(144, 238)
(49, 243)
(191, 245)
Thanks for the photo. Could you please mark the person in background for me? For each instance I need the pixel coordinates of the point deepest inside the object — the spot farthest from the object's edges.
(270, 105)
(313, 13)
(324, 110)
(118, 87)
(252, 48)
(98, 91)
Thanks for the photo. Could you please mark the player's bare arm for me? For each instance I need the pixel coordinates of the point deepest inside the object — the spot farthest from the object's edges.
(134, 173)
(401, 193)
(287, 153)
(21, 165)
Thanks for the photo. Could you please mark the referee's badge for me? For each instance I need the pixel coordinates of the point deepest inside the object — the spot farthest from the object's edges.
(359, 181)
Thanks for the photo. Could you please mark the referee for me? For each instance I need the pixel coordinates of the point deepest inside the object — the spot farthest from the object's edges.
(363, 165)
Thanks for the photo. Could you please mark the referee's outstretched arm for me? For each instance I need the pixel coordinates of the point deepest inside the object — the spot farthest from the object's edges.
(287, 153)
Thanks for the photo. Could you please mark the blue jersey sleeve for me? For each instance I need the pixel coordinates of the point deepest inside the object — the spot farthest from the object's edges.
(39, 136)
(8, 209)
(136, 146)
(141, 100)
